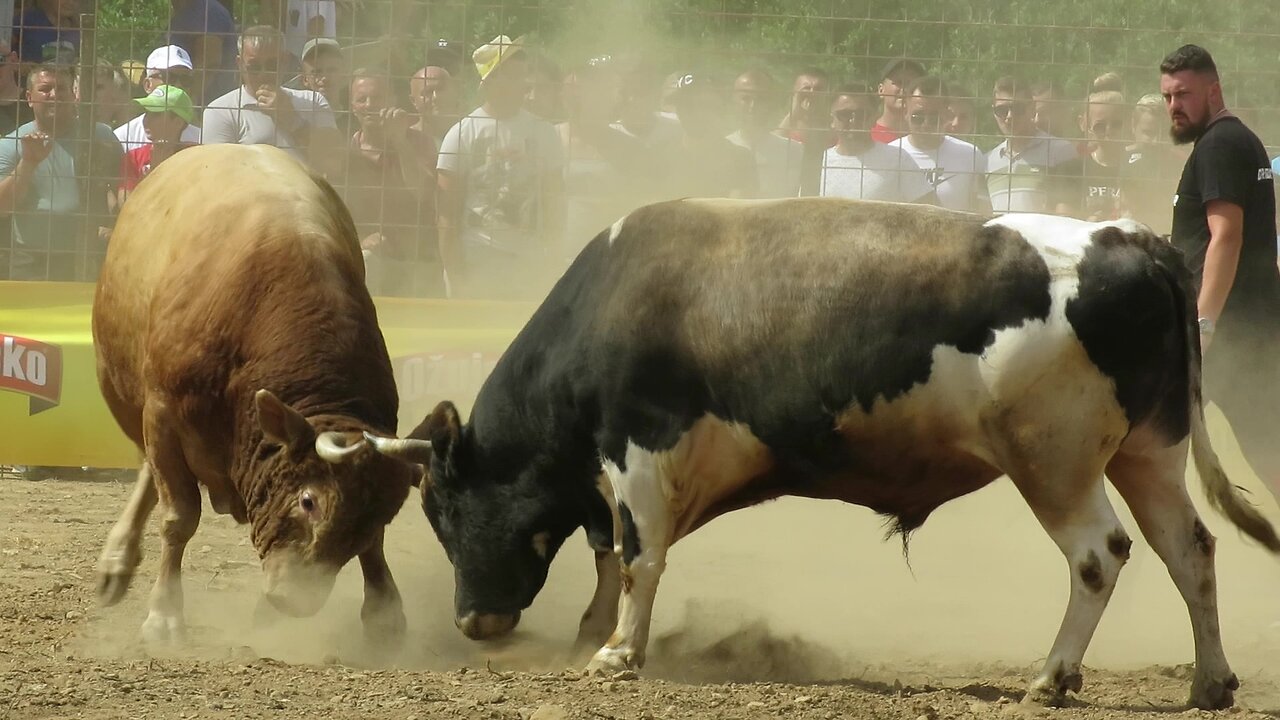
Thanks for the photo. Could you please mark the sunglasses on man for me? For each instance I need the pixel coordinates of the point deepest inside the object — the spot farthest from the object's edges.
(261, 66)
(849, 116)
(1004, 110)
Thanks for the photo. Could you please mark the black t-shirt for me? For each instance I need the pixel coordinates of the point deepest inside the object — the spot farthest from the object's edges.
(1148, 184)
(710, 168)
(1100, 190)
(1229, 163)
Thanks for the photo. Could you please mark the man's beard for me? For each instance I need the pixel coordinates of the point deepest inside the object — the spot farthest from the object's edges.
(1190, 133)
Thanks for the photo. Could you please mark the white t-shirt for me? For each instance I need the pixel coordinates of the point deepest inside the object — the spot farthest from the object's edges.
(778, 164)
(301, 14)
(501, 164)
(236, 118)
(878, 173)
(957, 171)
(132, 135)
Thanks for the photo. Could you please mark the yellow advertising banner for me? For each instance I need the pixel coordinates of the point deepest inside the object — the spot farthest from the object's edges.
(52, 412)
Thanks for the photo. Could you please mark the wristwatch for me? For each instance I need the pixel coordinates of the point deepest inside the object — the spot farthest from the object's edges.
(1206, 326)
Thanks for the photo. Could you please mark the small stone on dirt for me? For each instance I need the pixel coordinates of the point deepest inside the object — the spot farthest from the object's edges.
(550, 712)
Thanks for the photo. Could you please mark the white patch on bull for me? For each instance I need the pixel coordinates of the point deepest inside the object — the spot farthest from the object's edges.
(963, 390)
(667, 493)
(616, 229)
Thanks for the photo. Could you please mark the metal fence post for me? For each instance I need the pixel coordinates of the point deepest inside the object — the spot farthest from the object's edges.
(85, 145)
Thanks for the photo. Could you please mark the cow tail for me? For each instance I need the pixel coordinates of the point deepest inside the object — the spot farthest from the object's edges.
(1223, 495)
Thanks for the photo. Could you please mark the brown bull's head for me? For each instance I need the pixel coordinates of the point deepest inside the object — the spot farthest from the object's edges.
(318, 495)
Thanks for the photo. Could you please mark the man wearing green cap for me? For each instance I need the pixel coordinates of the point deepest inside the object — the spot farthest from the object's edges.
(167, 111)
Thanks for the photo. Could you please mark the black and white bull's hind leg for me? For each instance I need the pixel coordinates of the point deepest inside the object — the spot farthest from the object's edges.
(1153, 486)
(1054, 444)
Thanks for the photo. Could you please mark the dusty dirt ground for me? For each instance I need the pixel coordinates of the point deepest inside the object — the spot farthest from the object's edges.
(793, 610)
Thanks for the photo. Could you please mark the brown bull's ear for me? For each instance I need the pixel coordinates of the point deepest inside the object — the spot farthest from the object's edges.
(281, 423)
(442, 427)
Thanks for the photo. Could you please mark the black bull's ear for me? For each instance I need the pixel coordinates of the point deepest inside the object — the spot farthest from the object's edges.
(436, 436)
(442, 428)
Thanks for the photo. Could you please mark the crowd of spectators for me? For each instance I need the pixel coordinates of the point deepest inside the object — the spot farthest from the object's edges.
(481, 172)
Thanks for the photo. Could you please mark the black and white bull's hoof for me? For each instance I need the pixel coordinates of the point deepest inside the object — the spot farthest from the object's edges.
(1214, 694)
(1051, 690)
(608, 662)
(164, 630)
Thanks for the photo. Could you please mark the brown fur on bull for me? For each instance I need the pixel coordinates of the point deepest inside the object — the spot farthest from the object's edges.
(238, 347)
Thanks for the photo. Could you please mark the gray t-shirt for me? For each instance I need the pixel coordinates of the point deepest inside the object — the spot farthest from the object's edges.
(50, 216)
(236, 118)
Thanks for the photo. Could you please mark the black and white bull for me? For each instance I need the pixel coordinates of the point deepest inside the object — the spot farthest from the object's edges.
(709, 355)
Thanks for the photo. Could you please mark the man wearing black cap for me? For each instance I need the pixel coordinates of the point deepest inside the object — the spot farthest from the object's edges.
(451, 56)
(704, 163)
(898, 74)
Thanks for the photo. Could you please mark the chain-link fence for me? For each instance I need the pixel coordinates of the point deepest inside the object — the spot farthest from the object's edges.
(479, 145)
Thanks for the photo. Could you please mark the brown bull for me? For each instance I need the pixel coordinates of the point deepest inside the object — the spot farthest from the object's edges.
(238, 347)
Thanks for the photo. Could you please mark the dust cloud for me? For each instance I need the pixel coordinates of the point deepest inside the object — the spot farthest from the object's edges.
(792, 591)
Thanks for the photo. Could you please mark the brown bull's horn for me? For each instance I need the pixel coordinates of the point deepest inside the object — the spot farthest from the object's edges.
(332, 447)
(409, 450)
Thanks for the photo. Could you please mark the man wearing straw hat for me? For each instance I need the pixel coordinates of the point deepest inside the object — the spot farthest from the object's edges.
(500, 185)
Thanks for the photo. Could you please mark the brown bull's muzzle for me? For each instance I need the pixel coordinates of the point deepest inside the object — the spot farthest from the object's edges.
(296, 587)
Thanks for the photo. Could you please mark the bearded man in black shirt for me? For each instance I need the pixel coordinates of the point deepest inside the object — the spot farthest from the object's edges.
(1224, 222)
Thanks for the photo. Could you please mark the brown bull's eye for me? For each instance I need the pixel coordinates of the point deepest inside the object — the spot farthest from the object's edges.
(307, 502)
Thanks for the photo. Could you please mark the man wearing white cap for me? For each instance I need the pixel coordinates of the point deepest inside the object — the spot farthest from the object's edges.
(501, 188)
(168, 65)
(322, 66)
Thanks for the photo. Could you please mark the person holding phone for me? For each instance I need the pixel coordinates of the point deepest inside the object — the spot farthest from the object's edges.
(263, 112)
